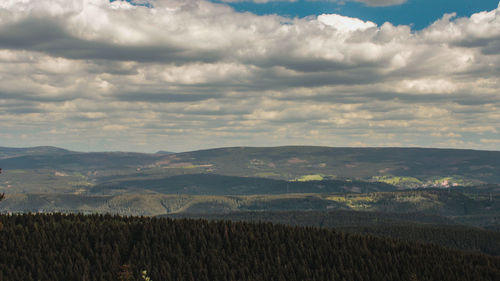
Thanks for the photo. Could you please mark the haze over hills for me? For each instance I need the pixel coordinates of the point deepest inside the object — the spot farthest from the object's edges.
(405, 167)
(250, 171)
(244, 170)
(292, 162)
(385, 191)
(10, 152)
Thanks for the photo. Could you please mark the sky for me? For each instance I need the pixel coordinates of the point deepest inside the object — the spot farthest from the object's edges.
(416, 13)
(95, 75)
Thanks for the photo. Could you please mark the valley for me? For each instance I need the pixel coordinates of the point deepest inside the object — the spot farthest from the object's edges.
(462, 186)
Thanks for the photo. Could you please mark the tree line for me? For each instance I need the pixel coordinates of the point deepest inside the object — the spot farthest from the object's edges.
(104, 247)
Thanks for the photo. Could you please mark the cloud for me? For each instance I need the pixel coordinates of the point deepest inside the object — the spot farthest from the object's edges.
(345, 24)
(181, 75)
(50, 37)
(372, 3)
(494, 141)
(381, 3)
(257, 1)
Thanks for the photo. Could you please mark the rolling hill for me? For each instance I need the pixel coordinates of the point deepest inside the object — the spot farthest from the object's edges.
(242, 179)
(42, 169)
(213, 184)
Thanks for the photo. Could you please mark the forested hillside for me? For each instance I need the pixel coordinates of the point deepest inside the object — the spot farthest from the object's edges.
(77, 247)
(50, 169)
(211, 184)
(409, 227)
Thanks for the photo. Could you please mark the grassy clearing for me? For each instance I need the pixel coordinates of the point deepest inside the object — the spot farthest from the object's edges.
(316, 177)
(15, 172)
(451, 181)
(267, 175)
(399, 181)
(361, 202)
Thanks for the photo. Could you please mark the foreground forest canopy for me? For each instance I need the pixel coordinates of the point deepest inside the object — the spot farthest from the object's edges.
(78, 247)
(409, 227)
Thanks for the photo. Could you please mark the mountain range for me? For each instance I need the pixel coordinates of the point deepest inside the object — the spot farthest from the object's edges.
(460, 185)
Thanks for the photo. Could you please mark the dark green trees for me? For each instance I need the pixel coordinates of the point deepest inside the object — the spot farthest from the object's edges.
(103, 247)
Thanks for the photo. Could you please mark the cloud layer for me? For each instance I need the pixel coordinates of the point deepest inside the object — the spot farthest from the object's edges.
(191, 74)
(381, 3)
(372, 3)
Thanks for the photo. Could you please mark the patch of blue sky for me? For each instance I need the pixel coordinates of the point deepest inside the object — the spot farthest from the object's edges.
(416, 13)
(144, 3)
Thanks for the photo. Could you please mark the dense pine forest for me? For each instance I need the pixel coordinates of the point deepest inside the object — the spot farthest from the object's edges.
(409, 227)
(104, 247)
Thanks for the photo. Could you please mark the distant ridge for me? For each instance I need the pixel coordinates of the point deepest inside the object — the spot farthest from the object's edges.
(54, 149)
(357, 162)
(8, 152)
(450, 182)
(292, 147)
(163, 152)
(417, 166)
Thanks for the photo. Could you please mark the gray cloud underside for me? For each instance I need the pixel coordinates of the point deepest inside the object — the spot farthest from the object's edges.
(48, 36)
(374, 3)
(381, 3)
(193, 74)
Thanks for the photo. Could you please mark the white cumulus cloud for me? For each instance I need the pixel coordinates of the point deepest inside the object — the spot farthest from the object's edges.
(381, 3)
(192, 74)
